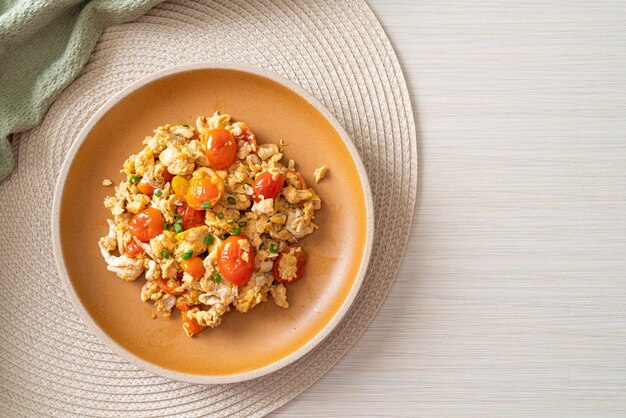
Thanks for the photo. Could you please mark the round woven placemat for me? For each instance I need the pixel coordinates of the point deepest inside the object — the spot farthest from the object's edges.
(50, 364)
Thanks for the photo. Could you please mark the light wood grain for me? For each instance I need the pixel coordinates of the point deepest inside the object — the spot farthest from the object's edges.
(511, 299)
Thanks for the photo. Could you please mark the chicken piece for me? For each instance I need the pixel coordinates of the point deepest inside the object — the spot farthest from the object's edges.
(320, 173)
(124, 267)
(279, 294)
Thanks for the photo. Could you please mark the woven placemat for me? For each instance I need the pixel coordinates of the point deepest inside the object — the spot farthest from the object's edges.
(50, 364)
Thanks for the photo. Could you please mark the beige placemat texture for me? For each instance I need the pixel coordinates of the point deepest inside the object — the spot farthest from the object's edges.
(50, 364)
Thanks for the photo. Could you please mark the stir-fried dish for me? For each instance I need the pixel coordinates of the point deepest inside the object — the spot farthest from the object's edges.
(212, 218)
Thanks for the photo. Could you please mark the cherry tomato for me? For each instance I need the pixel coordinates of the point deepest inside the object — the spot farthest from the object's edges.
(180, 185)
(300, 179)
(194, 267)
(301, 259)
(133, 249)
(248, 136)
(167, 176)
(221, 148)
(267, 186)
(163, 285)
(191, 325)
(145, 188)
(232, 266)
(191, 217)
(146, 224)
(205, 189)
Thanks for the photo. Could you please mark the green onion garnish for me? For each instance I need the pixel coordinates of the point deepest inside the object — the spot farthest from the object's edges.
(158, 193)
(178, 228)
(273, 248)
(165, 254)
(178, 217)
(217, 278)
(186, 126)
(230, 222)
(236, 231)
(242, 223)
(220, 215)
(209, 239)
(134, 179)
(223, 237)
(231, 200)
(206, 205)
(187, 255)
(167, 226)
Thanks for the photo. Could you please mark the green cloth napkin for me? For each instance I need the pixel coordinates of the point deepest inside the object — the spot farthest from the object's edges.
(43, 46)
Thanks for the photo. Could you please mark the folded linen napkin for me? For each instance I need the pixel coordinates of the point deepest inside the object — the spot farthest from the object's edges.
(43, 46)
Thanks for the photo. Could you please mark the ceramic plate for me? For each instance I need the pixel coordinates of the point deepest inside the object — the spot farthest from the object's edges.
(247, 345)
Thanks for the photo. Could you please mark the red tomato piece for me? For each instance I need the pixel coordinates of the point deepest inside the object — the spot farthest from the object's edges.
(300, 179)
(191, 325)
(133, 249)
(301, 259)
(221, 148)
(146, 224)
(191, 217)
(145, 188)
(235, 264)
(167, 176)
(205, 189)
(194, 267)
(267, 186)
(163, 285)
(182, 306)
(248, 136)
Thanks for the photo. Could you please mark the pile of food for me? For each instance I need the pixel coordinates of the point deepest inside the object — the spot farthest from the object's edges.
(212, 218)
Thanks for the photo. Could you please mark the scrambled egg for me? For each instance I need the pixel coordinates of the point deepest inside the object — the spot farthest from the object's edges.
(267, 226)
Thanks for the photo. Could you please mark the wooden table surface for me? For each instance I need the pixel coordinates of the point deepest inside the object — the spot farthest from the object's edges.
(511, 299)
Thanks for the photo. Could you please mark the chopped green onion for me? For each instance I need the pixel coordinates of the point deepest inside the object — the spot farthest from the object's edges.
(217, 278)
(165, 254)
(187, 255)
(236, 231)
(158, 193)
(206, 205)
(178, 228)
(167, 226)
(186, 126)
(231, 200)
(223, 237)
(178, 218)
(242, 223)
(220, 215)
(209, 239)
(230, 222)
(273, 248)
(134, 179)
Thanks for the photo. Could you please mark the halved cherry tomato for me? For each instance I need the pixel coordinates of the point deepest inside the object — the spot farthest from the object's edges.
(194, 267)
(182, 306)
(208, 188)
(145, 188)
(146, 224)
(133, 249)
(162, 283)
(180, 185)
(167, 176)
(191, 217)
(267, 186)
(233, 267)
(191, 325)
(221, 148)
(300, 179)
(248, 136)
(301, 259)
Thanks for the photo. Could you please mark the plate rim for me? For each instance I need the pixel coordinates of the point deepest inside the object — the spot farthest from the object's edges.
(113, 345)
